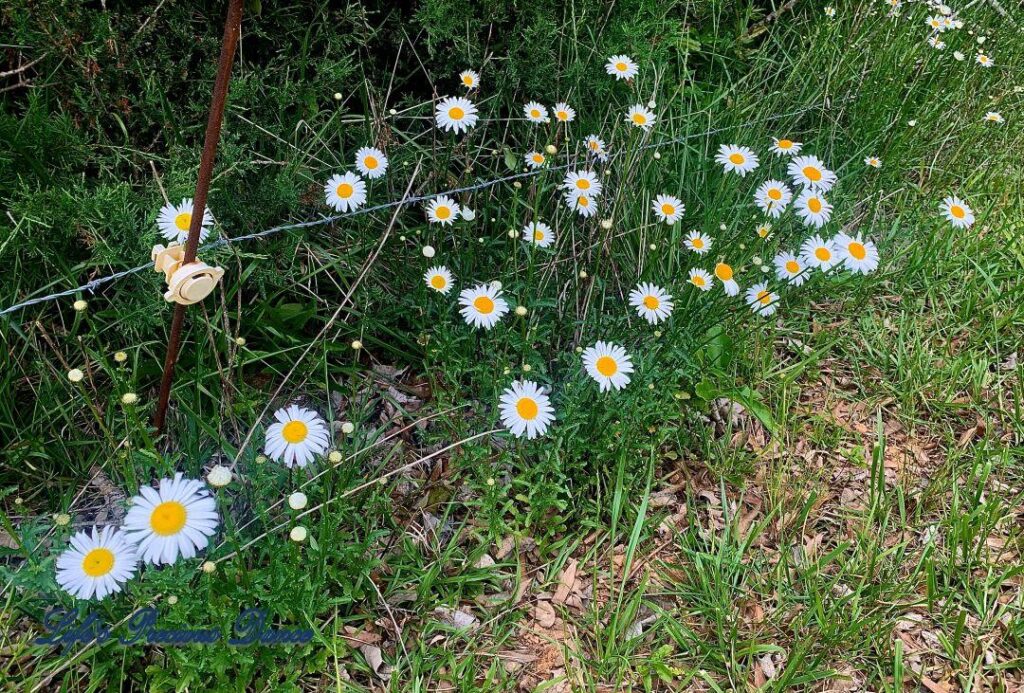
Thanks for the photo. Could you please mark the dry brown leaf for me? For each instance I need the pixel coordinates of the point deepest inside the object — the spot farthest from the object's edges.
(566, 582)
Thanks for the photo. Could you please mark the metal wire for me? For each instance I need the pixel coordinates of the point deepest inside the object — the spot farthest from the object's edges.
(221, 242)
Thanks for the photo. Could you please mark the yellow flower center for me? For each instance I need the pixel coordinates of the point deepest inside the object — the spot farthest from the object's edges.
(668, 210)
(538, 159)
(723, 271)
(484, 305)
(812, 173)
(737, 158)
(620, 66)
(698, 243)
(98, 562)
(639, 119)
(370, 162)
(456, 113)
(764, 297)
(814, 204)
(538, 236)
(823, 253)
(527, 408)
(438, 282)
(442, 212)
(467, 80)
(957, 211)
(775, 194)
(168, 518)
(593, 145)
(785, 144)
(295, 431)
(762, 231)
(651, 302)
(606, 366)
(183, 221)
(344, 190)
(583, 184)
(792, 266)
(583, 202)
(562, 115)
(535, 113)
(697, 280)
(857, 250)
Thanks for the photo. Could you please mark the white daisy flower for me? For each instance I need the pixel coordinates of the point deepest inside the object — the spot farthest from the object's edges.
(535, 112)
(935, 23)
(345, 192)
(584, 205)
(790, 268)
(983, 60)
(700, 278)
(785, 147)
(608, 364)
(957, 212)
(483, 305)
(819, 253)
(810, 172)
(772, 197)
(994, 117)
(442, 210)
(439, 279)
(761, 300)
(371, 162)
(175, 220)
(470, 79)
(959, 56)
(858, 255)
(535, 159)
(764, 230)
(455, 113)
(595, 145)
(538, 233)
(296, 437)
(564, 113)
(176, 520)
(651, 302)
(830, 12)
(583, 183)
(873, 162)
(640, 117)
(621, 67)
(936, 43)
(525, 409)
(698, 242)
(96, 565)
(668, 208)
(725, 275)
(814, 209)
(741, 160)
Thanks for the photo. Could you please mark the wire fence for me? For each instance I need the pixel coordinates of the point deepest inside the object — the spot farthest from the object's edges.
(94, 284)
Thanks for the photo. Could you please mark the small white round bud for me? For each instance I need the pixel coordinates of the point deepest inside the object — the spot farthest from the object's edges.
(334, 456)
(356, 344)
(348, 427)
(219, 476)
(428, 251)
(657, 155)
(551, 149)
(172, 599)
(606, 224)
(209, 567)
(80, 305)
(468, 214)
(120, 357)
(337, 96)
(298, 534)
(240, 341)
(583, 274)
(297, 500)
(129, 398)
(520, 311)
(76, 375)
(527, 368)
(62, 520)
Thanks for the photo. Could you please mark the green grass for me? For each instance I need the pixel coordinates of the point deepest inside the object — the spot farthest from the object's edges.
(859, 522)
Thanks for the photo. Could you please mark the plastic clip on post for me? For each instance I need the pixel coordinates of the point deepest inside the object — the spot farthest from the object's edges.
(186, 283)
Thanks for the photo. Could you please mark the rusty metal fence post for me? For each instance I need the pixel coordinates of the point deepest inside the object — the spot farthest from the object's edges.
(232, 29)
